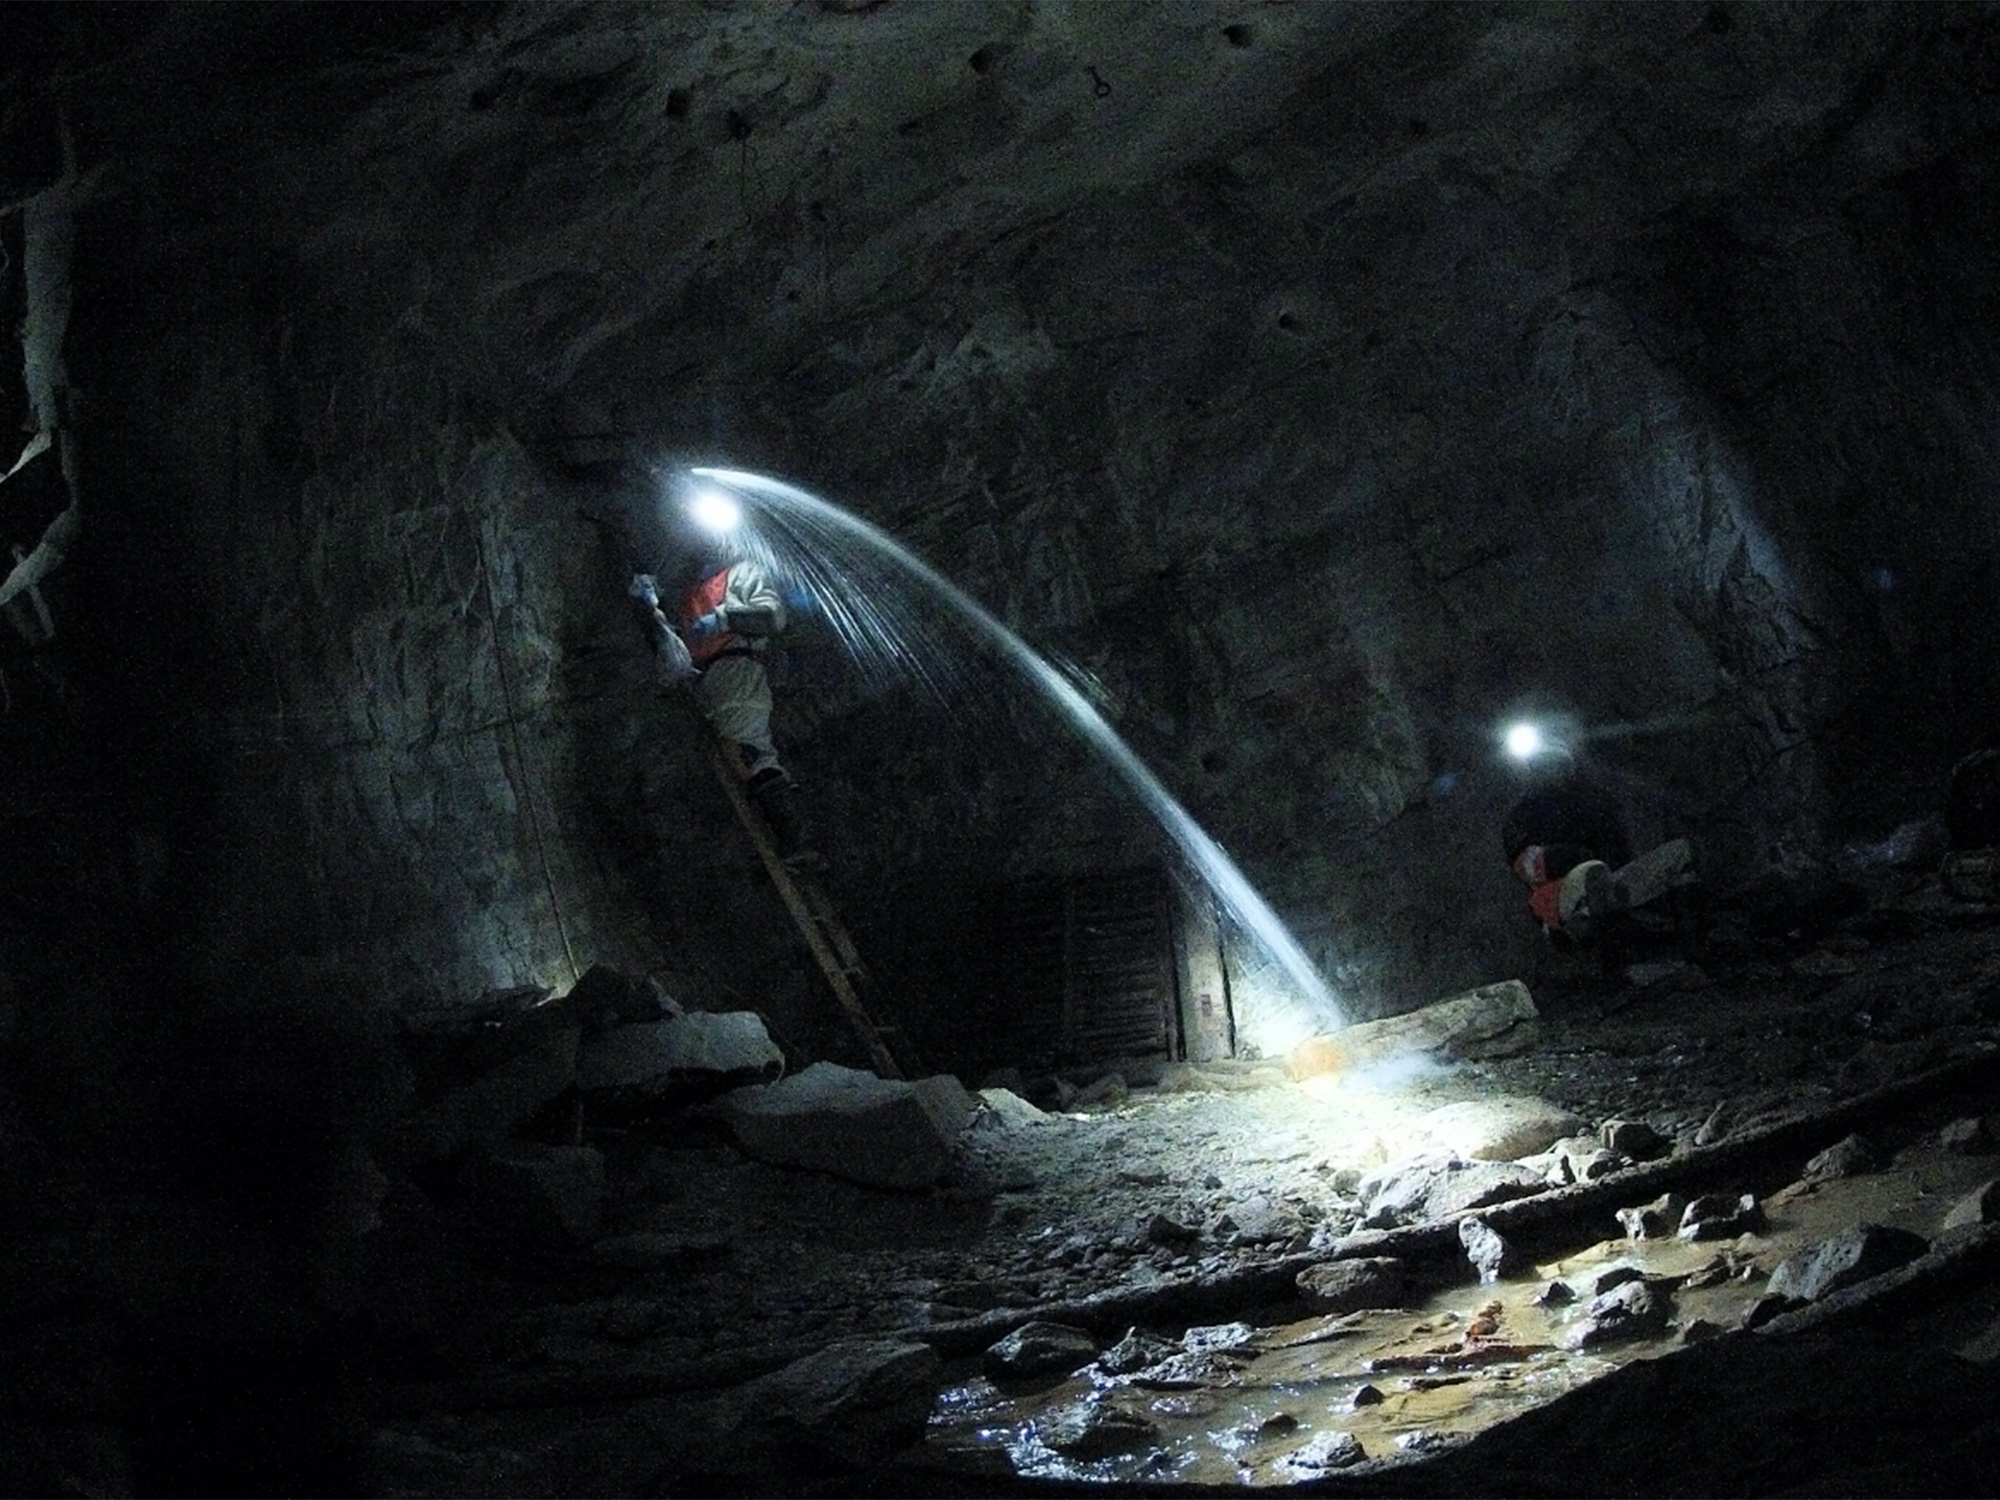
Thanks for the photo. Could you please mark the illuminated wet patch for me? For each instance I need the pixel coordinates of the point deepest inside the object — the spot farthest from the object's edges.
(1275, 1405)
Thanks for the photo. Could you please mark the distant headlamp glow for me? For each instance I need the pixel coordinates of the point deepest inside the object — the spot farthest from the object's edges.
(715, 510)
(1524, 741)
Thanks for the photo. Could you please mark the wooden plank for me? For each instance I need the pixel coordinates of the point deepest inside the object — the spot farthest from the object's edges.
(811, 924)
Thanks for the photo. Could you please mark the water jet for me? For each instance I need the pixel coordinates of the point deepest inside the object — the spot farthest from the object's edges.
(880, 641)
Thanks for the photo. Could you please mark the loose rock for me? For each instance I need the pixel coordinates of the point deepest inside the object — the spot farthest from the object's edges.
(1634, 1139)
(1657, 1220)
(1720, 1122)
(1849, 1157)
(1218, 1337)
(1340, 1286)
(1006, 1108)
(1720, 1216)
(1040, 1348)
(1259, 1221)
(1161, 1230)
(1980, 1206)
(1135, 1352)
(1841, 1260)
(1968, 1137)
(1435, 1186)
(1098, 1429)
(1328, 1450)
(1634, 1309)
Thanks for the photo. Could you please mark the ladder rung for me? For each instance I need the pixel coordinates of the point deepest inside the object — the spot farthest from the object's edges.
(820, 925)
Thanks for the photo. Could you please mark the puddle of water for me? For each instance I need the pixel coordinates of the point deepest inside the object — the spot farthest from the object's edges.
(1251, 1413)
(1266, 1411)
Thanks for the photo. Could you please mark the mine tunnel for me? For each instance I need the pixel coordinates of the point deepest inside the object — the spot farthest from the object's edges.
(962, 747)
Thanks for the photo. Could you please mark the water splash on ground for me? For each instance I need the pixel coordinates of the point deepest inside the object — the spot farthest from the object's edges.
(890, 634)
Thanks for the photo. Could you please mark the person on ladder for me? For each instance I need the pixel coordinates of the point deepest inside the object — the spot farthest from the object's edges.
(724, 623)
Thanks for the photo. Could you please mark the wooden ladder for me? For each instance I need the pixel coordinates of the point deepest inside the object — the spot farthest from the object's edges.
(824, 933)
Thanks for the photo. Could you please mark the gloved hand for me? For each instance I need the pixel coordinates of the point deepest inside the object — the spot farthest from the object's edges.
(644, 590)
(671, 662)
(704, 627)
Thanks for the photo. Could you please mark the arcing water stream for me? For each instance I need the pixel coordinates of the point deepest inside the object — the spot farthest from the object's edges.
(877, 634)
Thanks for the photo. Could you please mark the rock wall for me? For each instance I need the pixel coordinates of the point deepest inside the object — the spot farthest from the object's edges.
(383, 697)
(1623, 372)
(1321, 488)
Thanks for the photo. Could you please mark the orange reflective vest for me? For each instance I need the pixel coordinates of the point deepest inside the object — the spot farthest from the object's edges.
(705, 598)
(1544, 890)
(1545, 901)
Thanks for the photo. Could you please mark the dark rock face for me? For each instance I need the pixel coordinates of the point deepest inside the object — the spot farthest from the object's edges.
(1505, 367)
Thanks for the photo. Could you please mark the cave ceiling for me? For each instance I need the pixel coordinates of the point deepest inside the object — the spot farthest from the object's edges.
(557, 180)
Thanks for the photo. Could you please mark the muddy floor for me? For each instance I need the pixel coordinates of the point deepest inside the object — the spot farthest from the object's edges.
(1183, 1206)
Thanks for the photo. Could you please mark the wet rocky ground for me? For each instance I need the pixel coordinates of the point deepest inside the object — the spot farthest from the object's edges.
(556, 1273)
(1176, 1196)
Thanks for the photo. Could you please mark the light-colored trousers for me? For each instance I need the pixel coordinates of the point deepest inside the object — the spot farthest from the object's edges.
(1642, 880)
(735, 694)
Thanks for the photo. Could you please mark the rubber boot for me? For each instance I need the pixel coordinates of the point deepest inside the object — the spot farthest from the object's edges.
(776, 799)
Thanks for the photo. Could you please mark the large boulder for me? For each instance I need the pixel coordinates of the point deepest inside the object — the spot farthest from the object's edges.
(1490, 1021)
(682, 1060)
(605, 997)
(879, 1132)
(1504, 1128)
(1435, 1185)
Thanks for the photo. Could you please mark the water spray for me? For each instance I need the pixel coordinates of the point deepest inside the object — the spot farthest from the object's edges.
(874, 639)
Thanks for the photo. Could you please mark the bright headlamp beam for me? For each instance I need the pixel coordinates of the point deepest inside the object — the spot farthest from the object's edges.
(715, 511)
